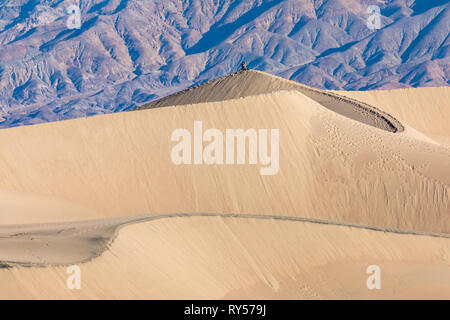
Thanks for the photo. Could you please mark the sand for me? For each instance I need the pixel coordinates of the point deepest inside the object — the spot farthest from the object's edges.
(222, 258)
(86, 192)
(424, 109)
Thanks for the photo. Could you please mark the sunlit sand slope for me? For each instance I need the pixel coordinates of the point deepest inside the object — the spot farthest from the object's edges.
(212, 258)
(331, 167)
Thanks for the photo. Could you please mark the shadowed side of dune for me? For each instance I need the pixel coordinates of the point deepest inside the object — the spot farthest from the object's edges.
(247, 83)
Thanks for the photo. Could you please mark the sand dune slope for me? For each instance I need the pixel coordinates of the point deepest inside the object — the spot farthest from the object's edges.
(331, 167)
(340, 161)
(213, 258)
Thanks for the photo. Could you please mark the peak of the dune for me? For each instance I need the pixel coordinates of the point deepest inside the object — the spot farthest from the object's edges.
(241, 84)
(247, 83)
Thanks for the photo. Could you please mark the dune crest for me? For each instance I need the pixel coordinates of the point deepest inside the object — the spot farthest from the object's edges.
(251, 82)
(44, 245)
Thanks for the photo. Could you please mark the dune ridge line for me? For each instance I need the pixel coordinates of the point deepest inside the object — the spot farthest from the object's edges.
(96, 236)
(224, 89)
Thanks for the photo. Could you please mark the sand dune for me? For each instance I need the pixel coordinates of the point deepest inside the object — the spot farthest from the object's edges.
(119, 165)
(341, 161)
